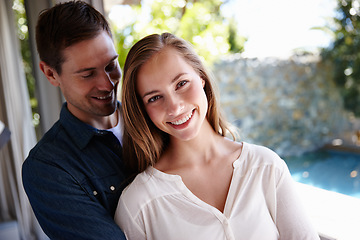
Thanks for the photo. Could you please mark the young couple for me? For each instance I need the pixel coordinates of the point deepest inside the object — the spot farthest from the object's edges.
(193, 182)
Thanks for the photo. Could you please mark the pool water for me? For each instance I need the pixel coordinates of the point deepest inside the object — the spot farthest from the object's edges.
(328, 169)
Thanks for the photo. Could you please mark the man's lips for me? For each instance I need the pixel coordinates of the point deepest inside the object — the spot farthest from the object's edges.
(105, 97)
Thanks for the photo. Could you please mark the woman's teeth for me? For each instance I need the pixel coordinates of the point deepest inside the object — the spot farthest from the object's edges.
(181, 121)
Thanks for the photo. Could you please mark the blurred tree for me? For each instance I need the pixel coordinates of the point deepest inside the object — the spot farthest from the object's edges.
(199, 22)
(344, 53)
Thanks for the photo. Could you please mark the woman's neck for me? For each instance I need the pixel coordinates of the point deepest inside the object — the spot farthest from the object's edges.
(197, 151)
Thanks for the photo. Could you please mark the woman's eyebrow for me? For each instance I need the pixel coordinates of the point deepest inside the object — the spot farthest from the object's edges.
(149, 93)
(155, 91)
(177, 77)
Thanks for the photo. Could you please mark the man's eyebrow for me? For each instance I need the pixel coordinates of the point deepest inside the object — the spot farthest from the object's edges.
(115, 57)
(84, 70)
(174, 80)
(92, 68)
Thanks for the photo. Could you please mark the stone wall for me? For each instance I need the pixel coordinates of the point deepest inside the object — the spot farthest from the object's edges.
(291, 106)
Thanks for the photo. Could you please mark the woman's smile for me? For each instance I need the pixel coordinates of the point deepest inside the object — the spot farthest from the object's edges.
(184, 122)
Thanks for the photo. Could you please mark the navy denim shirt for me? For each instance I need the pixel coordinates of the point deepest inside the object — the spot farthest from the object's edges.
(73, 178)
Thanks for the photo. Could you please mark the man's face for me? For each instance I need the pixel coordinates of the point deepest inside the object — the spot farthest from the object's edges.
(89, 78)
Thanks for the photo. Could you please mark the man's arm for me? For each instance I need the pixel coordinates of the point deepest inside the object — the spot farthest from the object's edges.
(63, 208)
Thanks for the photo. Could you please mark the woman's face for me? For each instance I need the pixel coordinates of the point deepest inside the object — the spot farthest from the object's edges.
(173, 94)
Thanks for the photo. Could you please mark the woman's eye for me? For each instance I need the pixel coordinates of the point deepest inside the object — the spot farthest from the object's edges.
(181, 83)
(153, 99)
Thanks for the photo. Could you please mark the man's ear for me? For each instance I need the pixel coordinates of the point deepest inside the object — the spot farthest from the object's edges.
(49, 73)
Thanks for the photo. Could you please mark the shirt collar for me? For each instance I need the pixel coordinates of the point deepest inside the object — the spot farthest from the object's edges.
(80, 132)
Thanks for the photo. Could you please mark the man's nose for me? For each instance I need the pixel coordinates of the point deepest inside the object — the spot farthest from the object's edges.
(115, 75)
(106, 83)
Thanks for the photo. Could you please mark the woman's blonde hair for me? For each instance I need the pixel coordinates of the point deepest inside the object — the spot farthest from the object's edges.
(143, 142)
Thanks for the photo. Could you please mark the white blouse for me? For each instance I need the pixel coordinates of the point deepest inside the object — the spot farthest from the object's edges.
(261, 204)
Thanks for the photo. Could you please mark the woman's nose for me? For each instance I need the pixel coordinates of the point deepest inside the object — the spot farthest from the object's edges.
(174, 106)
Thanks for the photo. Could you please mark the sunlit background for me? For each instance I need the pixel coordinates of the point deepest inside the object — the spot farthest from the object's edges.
(275, 28)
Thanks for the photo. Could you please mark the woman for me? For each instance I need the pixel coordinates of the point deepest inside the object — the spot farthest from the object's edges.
(194, 182)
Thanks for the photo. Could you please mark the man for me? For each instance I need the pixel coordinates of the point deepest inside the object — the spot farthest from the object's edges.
(74, 175)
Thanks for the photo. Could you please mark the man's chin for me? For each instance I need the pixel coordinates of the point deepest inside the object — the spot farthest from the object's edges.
(109, 109)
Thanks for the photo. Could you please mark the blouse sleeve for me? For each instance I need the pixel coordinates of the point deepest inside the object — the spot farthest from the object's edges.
(291, 219)
(125, 219)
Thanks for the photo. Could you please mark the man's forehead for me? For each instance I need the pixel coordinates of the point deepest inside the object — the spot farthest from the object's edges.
(90, 51)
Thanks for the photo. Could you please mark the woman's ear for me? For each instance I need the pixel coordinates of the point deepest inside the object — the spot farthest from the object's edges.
(203, 82)
(49, 73)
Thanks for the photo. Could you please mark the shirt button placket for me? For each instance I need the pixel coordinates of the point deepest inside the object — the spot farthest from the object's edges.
(228, 231)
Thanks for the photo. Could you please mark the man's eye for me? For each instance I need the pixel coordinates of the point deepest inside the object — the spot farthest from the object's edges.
(110, 67)
(88, 75)
(153, 99)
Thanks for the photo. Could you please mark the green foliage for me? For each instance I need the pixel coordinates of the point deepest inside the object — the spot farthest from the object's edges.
(23, 35)
(199, 22)
(235, 40)
(344, 53)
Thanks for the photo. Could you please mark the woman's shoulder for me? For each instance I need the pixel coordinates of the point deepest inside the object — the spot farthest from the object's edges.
(260, 155)
(260, 150)
(141, 183)
(147, 186)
